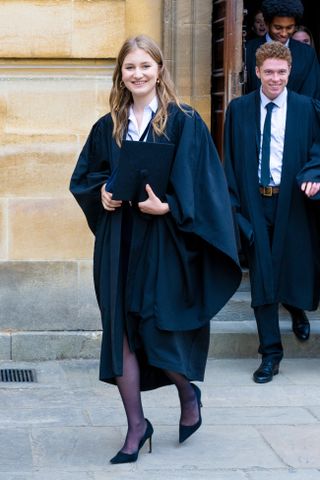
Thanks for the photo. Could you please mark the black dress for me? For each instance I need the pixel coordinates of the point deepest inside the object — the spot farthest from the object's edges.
(160, 278)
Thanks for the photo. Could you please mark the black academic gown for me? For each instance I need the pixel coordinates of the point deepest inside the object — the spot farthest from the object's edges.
(305, 73)
(182, 266)
(289, 273)
(316, 204)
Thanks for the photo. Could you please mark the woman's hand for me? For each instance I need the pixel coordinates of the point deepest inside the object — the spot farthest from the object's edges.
(153, 204)
(107, 202)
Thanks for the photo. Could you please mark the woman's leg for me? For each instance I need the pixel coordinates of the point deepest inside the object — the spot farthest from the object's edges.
(188, 399)
(129, 388)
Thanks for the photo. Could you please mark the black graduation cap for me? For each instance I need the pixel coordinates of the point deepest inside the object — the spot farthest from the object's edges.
(141, 163)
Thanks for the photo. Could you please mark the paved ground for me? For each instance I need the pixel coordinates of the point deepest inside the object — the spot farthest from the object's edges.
(68, 425)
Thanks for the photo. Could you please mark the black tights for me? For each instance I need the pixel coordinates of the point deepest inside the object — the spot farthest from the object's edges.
(188, 401)
(129, 388)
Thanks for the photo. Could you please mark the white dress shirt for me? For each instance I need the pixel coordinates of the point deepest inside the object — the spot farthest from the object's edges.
(278, 126)
(269, 39)
(134, 133)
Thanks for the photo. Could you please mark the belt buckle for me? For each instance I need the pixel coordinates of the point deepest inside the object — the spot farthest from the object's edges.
(267, 191)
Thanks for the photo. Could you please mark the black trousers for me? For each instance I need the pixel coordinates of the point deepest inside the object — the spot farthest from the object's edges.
(267, 316)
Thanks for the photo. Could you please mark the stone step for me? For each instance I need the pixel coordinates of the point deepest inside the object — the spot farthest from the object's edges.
(232, 339)
(38, 327)
(239, 339)
(238, 309)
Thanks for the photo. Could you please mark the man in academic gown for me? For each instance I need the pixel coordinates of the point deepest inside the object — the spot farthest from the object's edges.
(272, 184)
(281, 18)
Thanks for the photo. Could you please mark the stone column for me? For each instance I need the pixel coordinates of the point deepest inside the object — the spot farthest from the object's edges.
(187, 49)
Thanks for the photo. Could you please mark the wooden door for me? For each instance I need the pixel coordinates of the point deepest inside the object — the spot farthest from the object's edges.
(227, 63)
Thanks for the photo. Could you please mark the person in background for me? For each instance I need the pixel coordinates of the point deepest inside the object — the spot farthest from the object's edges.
(304, 35)
(163, 267)
(272, 163)
(282, 17)
(258, 27)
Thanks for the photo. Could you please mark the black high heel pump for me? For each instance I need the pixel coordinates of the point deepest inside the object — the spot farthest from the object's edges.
(185, 431)
(122, 457)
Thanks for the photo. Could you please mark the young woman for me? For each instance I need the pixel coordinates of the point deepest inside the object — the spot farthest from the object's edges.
(162, 267)
(304, 35)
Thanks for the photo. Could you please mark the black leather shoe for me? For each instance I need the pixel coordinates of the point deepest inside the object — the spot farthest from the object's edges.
(300, 322)
(265, 372)
(300, 325)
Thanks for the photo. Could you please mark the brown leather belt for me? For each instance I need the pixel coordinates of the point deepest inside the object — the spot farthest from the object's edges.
(269, 191)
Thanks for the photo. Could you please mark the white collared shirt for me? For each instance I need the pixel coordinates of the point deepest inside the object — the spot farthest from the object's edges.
(134, 133)
(278, 126)
(269, 39)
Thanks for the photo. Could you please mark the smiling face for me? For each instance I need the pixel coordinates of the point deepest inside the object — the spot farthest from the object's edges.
(274, 75)
(139, 74)
(259, 26)
(281, 28)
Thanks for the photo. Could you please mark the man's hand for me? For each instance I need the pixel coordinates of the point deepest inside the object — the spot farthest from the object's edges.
(310, 188)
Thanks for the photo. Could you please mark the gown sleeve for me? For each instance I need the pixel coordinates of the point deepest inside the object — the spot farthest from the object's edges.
(200, 203)
(241, 224)
(311, 170)
(200, 207)
(91, 172)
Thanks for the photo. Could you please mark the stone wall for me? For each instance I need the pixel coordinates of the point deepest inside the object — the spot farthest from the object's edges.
(56, 65)
(187, 49)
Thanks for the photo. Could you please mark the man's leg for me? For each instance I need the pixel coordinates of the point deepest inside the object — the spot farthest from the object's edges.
(270, 347)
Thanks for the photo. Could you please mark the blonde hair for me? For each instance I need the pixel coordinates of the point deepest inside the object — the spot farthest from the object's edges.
(121, 99)
(273, 50)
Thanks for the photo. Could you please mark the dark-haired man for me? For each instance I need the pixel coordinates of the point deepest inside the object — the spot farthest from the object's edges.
(272, 162)
(281, 17)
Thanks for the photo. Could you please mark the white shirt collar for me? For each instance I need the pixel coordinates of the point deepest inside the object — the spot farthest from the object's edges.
(153, 106)
(279, 100)
(269, 39)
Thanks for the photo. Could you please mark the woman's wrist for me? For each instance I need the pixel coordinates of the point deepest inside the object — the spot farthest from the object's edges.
(166, 208)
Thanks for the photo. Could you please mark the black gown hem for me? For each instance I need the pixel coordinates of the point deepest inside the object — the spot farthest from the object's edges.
(195, 376)
(176, 368)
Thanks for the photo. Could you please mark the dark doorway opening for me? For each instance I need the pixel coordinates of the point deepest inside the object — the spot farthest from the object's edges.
(227, 81)
(311, 17)
(227, 64)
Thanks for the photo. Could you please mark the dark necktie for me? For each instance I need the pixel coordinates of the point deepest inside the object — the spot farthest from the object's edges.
(265, 152)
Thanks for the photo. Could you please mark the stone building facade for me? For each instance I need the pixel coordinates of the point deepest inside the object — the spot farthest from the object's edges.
(56, 64)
